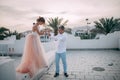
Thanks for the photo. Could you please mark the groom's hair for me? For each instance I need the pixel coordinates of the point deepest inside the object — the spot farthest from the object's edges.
(62, 27)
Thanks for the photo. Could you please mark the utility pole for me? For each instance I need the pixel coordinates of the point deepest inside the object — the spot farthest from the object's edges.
(88, 30)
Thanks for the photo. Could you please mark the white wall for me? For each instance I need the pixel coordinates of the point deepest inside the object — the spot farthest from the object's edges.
(111, 41)
(18, 46)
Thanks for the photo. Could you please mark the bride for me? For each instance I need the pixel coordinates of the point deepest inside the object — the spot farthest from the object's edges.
(33, 56)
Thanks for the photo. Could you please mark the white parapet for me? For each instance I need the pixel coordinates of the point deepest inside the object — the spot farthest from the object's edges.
(109, 41)
(7, 69)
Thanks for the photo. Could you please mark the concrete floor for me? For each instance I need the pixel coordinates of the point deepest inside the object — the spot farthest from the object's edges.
(85, 65)
(89, 65)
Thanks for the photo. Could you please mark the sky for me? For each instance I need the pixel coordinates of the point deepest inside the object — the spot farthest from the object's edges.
(20, 14)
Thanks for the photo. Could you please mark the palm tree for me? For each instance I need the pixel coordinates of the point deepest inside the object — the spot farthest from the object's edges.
(55, 22)
(3, 32)
(107, 25)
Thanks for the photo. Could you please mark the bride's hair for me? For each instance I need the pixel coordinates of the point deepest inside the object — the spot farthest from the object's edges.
(41, 19)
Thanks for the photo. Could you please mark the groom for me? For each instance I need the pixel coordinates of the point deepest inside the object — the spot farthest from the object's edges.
(61, 51)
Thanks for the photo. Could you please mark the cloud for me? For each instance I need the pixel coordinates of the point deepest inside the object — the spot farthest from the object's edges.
(25, 12)
(12, 12)
(63, 12)
(40, 11)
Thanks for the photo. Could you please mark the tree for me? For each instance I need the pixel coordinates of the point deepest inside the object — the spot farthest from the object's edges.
(107, 25)
(18, 35)
(3, 32)
(55, 22)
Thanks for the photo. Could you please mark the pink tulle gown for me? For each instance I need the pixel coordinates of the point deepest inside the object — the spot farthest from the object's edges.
(33, 57)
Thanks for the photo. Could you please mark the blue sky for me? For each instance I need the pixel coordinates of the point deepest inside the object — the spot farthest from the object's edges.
(20, 14)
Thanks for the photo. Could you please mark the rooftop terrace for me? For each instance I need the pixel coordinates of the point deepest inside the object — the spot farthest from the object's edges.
(86, 65)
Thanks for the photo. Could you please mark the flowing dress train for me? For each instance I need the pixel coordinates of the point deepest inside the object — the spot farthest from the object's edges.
(33, 57)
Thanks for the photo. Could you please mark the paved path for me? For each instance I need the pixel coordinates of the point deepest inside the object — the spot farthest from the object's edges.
(81, 64)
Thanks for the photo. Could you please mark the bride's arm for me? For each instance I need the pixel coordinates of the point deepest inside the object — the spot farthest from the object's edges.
(34, 28)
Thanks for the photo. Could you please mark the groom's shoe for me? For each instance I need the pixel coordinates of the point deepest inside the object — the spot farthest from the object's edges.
(56, 75)
(66, 75)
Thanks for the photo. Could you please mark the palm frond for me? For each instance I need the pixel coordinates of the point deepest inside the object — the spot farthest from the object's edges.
(107, 25)
(55, 22)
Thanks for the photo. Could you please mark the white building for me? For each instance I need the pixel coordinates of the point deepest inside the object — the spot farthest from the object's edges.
(82, 29)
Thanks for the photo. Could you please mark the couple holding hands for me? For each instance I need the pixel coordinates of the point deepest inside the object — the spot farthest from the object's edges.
(33, 57)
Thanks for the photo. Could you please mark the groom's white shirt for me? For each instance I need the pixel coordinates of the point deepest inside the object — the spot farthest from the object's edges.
(61, 42)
